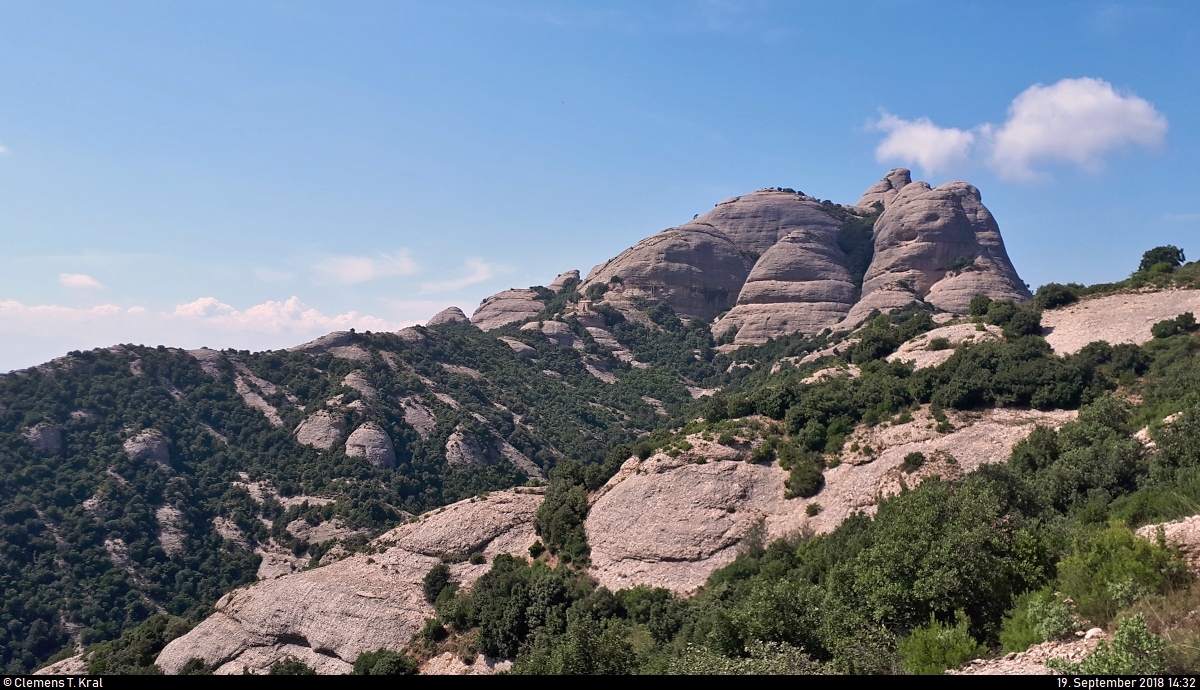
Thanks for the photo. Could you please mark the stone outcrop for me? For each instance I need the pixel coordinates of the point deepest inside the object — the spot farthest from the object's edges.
(756, 222)
(418, 416)
(45, 437)
(331, 614)
(886, 190)
(519, 347)
(561, 281)
(371, 442)
(321, 430)
(503, 308)
(694, 268)
(941, 245)
(150, 444)
(560, 334)
(918, 350)
(339, 344)
(358, 381)
(464, 448)
(447, 315)
(800, 285)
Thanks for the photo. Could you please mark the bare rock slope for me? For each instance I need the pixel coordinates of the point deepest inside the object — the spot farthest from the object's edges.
(328, 616)
(1121, 318)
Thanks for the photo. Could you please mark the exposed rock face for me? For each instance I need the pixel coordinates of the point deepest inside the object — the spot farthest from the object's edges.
(321, 430)
(210, 361)
(756, 222)
(356, 380)
(418, 417)
(886, 190)
(944, 246)
(447, 315)
(560, 333)
(170, 529)
(519, 347)
(370, 442)
(150, 444)
(506, 307)
(360, 604)
(918, 352)
(45, 437)
(562, 279)
(694, 268)
(801, 284)
(670, 522)
(339, 344)
(463, 448)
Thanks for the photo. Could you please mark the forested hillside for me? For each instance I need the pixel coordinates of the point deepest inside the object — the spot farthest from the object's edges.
(141, 484)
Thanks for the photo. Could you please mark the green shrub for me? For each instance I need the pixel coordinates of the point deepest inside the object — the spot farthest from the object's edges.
(477, 558)
(979, 305)
(1037, 617)
(1053, 295)
(1135, 651)
(537, 548)
(1111, 567)
(936, 646)
(812, 509)
(937, 344)
(384, 662)
(436, 580)
(196, 667)
(1169, 254)
(913, 461)
(1184, 323)
(290, 666)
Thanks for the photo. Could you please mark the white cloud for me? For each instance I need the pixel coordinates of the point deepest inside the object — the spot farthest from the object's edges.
(79, 280)
(478, 271)
(922, 143)
(349, 270)
(31, 334)
(3, 150)
(1077, 121)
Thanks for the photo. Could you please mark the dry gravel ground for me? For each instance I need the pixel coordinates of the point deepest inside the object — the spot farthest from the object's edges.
(1032, 662)
(1123, 318)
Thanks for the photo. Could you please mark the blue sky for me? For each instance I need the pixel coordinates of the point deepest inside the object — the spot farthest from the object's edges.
(254, 174)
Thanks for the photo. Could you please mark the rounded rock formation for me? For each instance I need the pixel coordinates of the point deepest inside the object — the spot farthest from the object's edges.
(371, 442)
(561, 281)
(694, 268)
(799, 285)
(321, 430)
(886, 190)
(506, 307)
(943, 246)
(150, 444)
(756, 222)
(447, 315)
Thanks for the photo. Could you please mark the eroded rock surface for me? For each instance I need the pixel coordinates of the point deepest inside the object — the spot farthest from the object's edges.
(800, 285)
(418, 416)
(371, 442)
(942, 244)
(339, 344)
(756, 222)
(519, 347)
(45, 437)
(359, 604)
(321, 430)
(694, 268)
(886, 190)
(447, 315)
(561, 281)
(503, 308)
(150, 444)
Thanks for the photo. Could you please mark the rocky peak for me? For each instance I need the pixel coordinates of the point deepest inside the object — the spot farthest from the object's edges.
(447, 315)
(885, 190)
